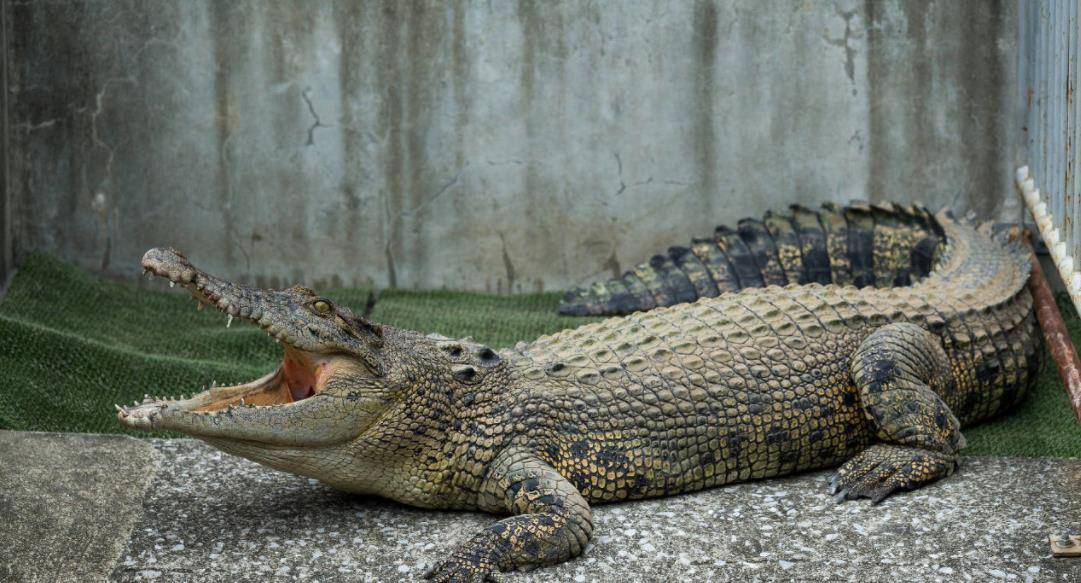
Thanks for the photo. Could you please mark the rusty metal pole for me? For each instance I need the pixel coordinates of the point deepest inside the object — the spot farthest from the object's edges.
(1055, 334)
(1066, 361)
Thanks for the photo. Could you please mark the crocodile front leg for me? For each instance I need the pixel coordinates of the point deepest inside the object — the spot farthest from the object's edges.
(552, 522)
(894, 370)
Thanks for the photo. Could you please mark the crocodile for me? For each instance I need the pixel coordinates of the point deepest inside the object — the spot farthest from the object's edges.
(759, 381)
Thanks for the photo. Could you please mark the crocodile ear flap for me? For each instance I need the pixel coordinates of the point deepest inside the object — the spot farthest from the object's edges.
(375, 328)
(371, 333)
(360, 325)
(373, 342)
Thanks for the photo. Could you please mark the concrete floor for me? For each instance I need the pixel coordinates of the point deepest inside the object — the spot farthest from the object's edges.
(95, 507)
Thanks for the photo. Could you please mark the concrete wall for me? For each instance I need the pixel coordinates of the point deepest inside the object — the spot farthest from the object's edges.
(7, 235)
(488, 145)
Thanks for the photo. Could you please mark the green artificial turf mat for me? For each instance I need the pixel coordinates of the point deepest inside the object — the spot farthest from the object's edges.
(72, 345)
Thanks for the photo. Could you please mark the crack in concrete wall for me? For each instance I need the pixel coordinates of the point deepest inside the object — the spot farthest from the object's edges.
(315, 116)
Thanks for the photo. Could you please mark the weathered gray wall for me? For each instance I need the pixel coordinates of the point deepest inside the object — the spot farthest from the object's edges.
(7, 236)
(488, 145)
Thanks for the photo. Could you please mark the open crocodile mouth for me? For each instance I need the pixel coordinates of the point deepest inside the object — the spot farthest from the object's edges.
(301, 374)
(298, 377)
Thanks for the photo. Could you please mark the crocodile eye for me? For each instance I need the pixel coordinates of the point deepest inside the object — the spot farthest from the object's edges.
(321, 306)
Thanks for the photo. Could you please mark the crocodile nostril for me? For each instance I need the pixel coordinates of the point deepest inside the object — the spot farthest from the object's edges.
(487, 355)
(464, 373)
(454, 350)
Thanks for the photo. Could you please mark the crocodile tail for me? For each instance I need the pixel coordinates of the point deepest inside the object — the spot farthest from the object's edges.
(812, 240)
(1009, 237)
(787, 243)
(763, 245)
(860, 244)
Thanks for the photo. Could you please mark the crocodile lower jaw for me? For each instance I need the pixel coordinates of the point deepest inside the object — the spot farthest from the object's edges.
(299, 376)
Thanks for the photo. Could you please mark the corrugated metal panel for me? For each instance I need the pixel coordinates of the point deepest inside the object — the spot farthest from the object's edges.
(1073, 130)
(1049, 51)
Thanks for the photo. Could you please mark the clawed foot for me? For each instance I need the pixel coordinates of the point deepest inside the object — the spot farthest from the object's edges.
(881, 470)
(461, 571)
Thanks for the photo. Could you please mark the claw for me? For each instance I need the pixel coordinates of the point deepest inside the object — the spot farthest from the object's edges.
(834, 481)
(841, 496)
(880, 496)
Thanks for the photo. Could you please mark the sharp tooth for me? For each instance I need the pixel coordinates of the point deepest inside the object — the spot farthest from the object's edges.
(228, 320)
(199, 307)
(242, 401)
(172, 284)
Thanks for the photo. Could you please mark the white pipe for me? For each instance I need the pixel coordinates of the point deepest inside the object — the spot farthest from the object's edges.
(1066, 265)
(1064, 262)
(1032, 197)
(1059, 252)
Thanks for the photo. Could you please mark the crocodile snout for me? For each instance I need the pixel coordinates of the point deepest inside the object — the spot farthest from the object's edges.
(169, 263)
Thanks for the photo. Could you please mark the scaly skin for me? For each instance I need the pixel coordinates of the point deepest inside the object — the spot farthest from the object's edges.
(759, 383)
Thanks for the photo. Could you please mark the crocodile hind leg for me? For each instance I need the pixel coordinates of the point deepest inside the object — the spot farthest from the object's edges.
(896, 370)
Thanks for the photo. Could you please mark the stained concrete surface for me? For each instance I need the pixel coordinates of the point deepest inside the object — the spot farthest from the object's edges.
(207, 516)
(497, 146)
(68, 502)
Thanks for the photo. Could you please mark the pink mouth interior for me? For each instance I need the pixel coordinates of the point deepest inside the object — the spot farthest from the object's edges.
(298, 378)
(301, 377)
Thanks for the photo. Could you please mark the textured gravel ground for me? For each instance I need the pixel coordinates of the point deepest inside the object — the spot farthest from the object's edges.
(207, 516)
